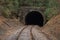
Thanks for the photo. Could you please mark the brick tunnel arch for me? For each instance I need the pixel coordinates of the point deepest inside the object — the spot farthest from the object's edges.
(34, 18)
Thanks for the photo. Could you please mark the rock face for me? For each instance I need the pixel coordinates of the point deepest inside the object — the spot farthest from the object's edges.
(27, 33)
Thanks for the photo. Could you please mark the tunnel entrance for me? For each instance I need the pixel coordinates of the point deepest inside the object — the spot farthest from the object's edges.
(34, 18)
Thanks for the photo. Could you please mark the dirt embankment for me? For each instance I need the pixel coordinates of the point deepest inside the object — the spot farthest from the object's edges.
(53, 27)
(8, 24)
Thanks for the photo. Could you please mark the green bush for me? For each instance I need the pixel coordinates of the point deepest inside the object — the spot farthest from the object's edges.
(50, 12)
(51, 9)
(6, 13)
(7, 6)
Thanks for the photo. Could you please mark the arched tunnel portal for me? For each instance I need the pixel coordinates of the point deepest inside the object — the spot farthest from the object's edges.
(34, 18)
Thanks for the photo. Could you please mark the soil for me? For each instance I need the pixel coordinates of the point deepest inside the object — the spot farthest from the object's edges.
(53, 27)
(7, 25)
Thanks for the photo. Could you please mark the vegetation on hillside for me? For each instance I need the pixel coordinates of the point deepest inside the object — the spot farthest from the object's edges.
(10, 8)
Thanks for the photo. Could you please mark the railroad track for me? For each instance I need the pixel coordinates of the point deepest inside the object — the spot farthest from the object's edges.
(27, 33)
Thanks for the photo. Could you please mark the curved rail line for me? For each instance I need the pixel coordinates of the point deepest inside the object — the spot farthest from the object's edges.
(32, 37)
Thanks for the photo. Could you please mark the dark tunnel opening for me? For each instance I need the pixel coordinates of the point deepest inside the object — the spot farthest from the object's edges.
(34, 18)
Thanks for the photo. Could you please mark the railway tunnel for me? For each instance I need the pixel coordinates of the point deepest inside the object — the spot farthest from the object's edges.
(34, 18)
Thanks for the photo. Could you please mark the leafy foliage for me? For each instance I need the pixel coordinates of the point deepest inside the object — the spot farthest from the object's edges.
(9, 7)
(51, 9)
